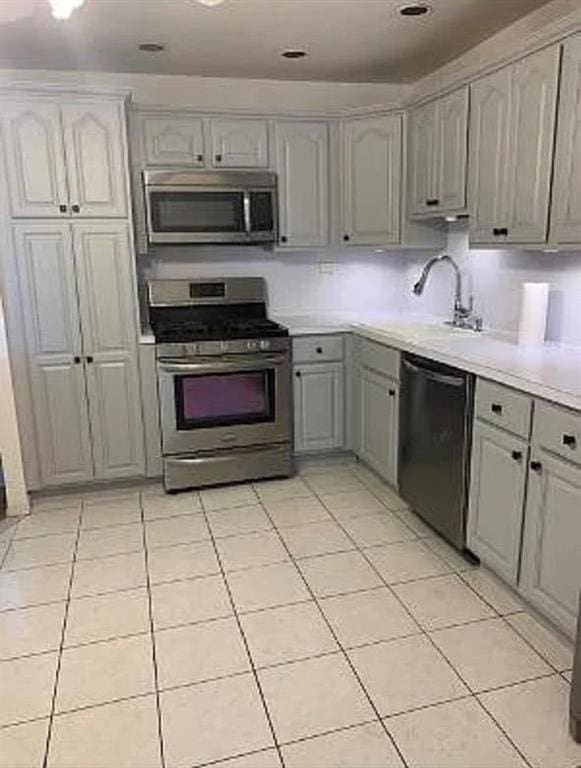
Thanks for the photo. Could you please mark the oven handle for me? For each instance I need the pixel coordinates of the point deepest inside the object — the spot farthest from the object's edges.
(217, 366)
(246, 206)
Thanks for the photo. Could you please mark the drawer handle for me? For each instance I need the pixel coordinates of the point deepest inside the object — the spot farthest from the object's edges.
(433, 201)
(497, 231)
(516, 455)
(537, 467)
(319, 350)
(570, 441)
(496, 408)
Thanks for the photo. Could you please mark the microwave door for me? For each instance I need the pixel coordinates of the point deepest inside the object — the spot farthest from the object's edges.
(261, 208)
(200, 215)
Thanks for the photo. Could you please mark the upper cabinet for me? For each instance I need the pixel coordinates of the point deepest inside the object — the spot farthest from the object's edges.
(65, 160)
(302, 164)
(566, 222)
(239, 143)
(511, 148)
(437, 156)
(174, 141)
(372, 180)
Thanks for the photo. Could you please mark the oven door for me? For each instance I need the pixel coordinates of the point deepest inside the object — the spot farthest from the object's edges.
(200, 214)
(224, 402)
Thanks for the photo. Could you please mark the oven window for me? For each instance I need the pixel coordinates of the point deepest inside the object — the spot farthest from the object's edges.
(224, 399)
(197, 211)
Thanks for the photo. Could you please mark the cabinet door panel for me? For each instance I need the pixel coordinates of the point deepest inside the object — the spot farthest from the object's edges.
(35, 159)
(566, 225)
(372, 178)
(50, 310)
(489, 156)
(171, 140)
(107, 293)
(303, 182)
(378, 424)
(239, 143)
(497, 492)
(96, 159)
(422, 159)
(551, 569)
(534, 105)
(318, 403)
(452, 151)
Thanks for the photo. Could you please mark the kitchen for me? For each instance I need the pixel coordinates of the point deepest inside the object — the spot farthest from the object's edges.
(204, 290)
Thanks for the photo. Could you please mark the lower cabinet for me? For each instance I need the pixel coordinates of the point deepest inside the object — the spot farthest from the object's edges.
(551, 559)
(497, 492)
(318, 407)
(378, 423)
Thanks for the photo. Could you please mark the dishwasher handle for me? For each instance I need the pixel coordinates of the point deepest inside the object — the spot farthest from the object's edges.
(439, 378)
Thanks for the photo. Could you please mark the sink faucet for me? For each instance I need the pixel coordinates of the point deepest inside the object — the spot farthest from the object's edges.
(463, 317)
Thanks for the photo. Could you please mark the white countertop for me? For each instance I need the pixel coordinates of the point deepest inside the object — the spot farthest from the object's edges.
(550, 371)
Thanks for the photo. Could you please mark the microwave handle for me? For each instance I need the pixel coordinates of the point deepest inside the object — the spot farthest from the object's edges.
(246, 208)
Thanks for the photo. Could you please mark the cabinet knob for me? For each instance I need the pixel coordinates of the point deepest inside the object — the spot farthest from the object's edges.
(283, 239)
(298, 374)
(570, 441)
(319, 350)
(391, 392)
(496, 408)
(89, 358)
(433, 201)
(497, 231)
(200, 158)
(537, 467)
(63, 208)
(346, 238)
(76, 359)
(218, 158)
(76, 208)
(516, 455)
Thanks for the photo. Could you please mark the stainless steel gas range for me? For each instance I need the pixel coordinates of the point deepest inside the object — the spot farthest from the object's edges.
(224, 382)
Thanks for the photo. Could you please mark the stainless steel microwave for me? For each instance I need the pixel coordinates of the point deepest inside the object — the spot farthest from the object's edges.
(185, 206)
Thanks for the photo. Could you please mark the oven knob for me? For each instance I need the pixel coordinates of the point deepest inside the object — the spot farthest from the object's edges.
(264, 345)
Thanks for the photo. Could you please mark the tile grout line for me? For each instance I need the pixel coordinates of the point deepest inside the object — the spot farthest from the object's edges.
(62, 642)
(243, 635)
(152, 637)
(344, 654)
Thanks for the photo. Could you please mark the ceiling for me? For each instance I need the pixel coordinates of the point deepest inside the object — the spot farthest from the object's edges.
(346, 40)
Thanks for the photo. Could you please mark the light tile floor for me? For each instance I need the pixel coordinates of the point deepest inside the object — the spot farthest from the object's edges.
(307, 623)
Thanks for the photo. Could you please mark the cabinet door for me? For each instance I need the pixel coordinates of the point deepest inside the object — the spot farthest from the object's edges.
(302, 163)
(372, 179)
(239, 143)
(566, 224)
(489, 156)
(53, 335)
(169, 140)
(497, 492)
(378, 424)
(96, 158)
(318, 407)
(422, 159)
(106, 292)
(533, 119)
(551, 565)
(452, 151)
(35, 159)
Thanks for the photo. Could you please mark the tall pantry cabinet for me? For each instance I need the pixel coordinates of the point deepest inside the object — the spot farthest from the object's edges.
(68, 191)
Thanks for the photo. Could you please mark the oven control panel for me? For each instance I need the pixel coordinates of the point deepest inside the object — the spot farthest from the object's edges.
(231, 347)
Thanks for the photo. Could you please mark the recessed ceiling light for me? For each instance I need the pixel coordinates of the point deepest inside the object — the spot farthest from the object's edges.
(294, 53)
(152, 47)
(415, 9)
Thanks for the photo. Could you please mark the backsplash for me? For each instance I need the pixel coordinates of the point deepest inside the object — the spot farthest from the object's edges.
(339, 280)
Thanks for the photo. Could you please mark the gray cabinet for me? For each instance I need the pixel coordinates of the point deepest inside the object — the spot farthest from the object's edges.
(437, 155)
(77, 292)
(497, 492)
(512, 136)
(566, 223)
(319, 404)
(551, 561)
(378, 420)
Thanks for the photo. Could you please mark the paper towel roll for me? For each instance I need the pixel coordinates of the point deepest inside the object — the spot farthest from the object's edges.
(533, 313)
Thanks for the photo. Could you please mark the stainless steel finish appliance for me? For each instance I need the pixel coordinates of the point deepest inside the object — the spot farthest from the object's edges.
(462, 317)
(575, 696)
(435, 443)
(186, 206)
(224, 382)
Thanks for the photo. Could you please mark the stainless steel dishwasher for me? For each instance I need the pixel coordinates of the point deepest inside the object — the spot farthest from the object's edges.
(434, 445)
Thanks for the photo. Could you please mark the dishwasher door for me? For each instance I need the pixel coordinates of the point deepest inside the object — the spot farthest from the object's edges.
(434, 444)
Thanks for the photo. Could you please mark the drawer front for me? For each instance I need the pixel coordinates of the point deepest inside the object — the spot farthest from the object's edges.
(379, 358)
(558, 430)
(317, 349)
(503, 407)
